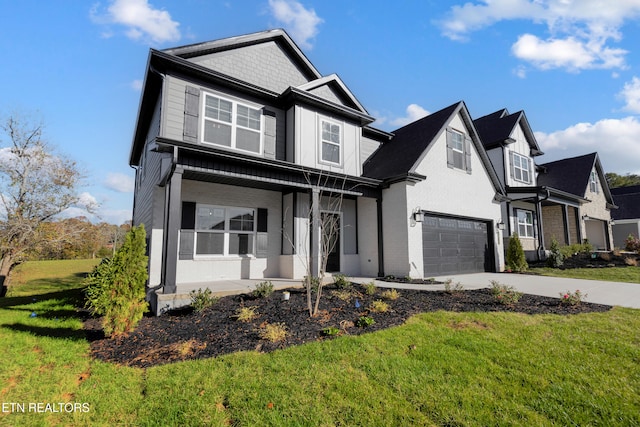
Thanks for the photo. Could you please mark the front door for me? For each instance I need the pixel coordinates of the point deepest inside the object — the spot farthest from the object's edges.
(330, 245)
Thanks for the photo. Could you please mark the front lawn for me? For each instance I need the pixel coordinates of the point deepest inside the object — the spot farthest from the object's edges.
(611, 274)
(440, 368)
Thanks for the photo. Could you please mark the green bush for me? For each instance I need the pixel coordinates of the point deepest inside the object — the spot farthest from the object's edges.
(341, 281)
(556, 258)
(504, 294)
(515, 259)
(369, 288)
(263, 290)
(576, 248)
(202, 299)
(364, 321)
(116, 287)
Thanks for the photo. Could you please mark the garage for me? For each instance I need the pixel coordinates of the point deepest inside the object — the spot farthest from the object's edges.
(453, 245)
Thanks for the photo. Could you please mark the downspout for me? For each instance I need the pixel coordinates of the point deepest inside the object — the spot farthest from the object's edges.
(541, 246)
(165, 227)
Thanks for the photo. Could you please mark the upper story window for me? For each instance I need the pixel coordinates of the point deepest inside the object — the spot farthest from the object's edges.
(458, 151)
(232, 124)
(331, 142)
(521, 168)
(593, 182)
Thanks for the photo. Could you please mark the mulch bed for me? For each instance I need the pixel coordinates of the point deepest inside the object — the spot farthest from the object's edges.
(186, 334)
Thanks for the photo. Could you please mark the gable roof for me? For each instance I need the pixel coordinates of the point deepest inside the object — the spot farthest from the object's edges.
(337, 88)
(495, 129)
(572, 175)
(399, 158)
(628, 201)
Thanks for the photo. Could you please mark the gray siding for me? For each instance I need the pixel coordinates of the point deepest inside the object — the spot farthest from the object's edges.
(174, 114)
(265, 65)
(326, 93)
(367, 148)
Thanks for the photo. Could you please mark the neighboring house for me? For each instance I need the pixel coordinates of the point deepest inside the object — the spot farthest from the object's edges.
(440, 198)
(584, 178)
(552, 201)
(234, 140)
(627, 216)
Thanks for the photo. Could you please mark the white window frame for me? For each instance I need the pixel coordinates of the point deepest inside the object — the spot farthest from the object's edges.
(226, 232)
(593, 182)
(525, 224)
(233, 124)
(322, 141)
(520, 169)
(457, 138)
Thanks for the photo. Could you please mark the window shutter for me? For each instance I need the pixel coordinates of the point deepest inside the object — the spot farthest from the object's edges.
(467, 154)
(530, 163)
(511, 167)
(191, 110)
(450, 161)
(187, 231)
(269, 134)
(262, 238)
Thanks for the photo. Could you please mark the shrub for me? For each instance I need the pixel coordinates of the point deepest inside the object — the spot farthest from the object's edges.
(331, 331)
(263, 290)
(364, 321)
(504, 294)
(576, 248)
(379, 306)
(369, 288)
(572, 298)
(273, 332)
(246, 314)
(202, 299)
(515, 258)
(631, 262)
(341, 281)
(451, 288)
(313, 281)
(390, 294)
(556, 258)
(342, 294)
(116, 287)
(632, 244)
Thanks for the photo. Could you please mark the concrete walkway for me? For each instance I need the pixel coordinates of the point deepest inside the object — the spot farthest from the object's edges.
(597, 291)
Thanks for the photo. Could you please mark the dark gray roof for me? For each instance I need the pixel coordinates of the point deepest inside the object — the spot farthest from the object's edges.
(398, 156)
(496, 128)
(570, 175)
(628, 201)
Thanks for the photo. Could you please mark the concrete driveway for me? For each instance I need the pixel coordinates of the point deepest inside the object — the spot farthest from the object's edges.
(601, 292)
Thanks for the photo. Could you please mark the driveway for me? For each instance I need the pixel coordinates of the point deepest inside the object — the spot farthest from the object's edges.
(601, 292)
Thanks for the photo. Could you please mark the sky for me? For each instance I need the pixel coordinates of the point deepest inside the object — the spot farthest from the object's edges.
(573, 67)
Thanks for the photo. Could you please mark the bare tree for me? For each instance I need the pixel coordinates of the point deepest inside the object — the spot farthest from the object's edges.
(35, 185)
(323, 221)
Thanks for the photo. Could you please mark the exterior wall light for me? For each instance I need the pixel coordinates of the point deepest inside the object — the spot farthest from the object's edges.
(417, 214)
(585, 217)
(500, 225)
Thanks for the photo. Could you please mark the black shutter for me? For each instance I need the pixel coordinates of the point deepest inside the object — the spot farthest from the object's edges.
(467, 153)
(511, 167)
(188, 216)
(187, 230)
(262, 240)
(191, 110)
(269, 134)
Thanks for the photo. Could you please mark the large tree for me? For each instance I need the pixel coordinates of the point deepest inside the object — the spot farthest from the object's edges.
(36, 184)
(614, 180)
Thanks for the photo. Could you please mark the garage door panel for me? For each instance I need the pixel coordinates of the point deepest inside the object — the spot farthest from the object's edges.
(453, 245)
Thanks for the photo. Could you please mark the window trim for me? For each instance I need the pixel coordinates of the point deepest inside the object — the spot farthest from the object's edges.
(516, 168)
(465, 152)
(593, 182)
(234, 122)
(226, 232)
(321, 141)
(518, 223)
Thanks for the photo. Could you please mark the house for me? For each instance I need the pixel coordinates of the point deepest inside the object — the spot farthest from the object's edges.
(242, 148)
(440, 198)
(567, 200)
(627, 216)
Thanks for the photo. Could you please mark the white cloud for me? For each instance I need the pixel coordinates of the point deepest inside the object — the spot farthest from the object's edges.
(300, 22)
(631, 95)
(136, 85)
(119, 182)
(580, 30)
(615, 140)
(414, 112)
(142, 20)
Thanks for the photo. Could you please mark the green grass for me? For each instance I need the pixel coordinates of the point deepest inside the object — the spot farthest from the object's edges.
(612, 274)
(440, 368)
(39, 277)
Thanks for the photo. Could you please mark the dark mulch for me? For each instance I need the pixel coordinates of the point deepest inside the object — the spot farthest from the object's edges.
(184, 334)
(596, 260)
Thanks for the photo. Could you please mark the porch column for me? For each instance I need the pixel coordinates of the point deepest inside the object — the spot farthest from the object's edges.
(541, 245)
(565, 220)
(380, 234)
(315, 232)
(172, 216)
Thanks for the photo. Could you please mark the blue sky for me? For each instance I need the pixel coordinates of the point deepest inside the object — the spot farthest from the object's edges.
(572, 66)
